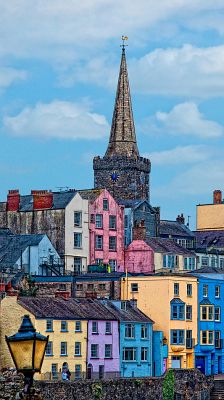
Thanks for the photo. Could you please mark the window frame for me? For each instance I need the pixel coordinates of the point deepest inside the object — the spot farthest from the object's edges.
(113, 226)
(106, 347)
(176, 289)
(65, 329)
(80, 326)
(51, 325)
(99, 221)
(144, 351)
(179, 333)
(78, 225)
(98, 242)
(129, 332)
(66, 349)
(188, 307)
(189, 289)
(129, 350)
(205, 290)
(79, 242)
(96, 330)
(96, 347)
(114, 242)
(79, 347)
(217, 291)
(108, 331)
(144, 331)
(134, 287)
(47, 352)
(105, 204)
(215, 314)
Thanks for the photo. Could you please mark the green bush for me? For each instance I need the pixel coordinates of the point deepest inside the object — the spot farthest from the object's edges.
(97, 391)
(168, 386)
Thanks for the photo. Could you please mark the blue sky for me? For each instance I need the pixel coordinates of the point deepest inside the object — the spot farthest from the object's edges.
(59, 63)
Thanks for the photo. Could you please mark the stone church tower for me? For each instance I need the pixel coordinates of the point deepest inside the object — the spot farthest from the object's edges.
(122, 171)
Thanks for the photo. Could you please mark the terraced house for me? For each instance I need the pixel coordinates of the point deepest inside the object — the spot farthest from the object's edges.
(171, 301)
(209, 352)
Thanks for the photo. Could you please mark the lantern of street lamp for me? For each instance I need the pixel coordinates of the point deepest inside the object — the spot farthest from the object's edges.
(27, 348)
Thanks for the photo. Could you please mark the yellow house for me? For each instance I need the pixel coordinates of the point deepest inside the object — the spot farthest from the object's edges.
(60, 319)
(211, 216)
(171, 301)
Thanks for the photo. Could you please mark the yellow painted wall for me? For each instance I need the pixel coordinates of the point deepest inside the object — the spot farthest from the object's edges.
(153, 298)
(210, 216)
(11, 317)
(158, 262)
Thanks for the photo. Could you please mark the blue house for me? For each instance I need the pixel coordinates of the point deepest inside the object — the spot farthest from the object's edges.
(135, 339)
(209, 352)
(159, 353)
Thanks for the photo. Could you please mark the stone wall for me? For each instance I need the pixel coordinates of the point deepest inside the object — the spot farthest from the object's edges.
(189, 384)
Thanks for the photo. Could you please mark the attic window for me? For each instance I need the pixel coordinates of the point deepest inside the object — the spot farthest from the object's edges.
(124, 305)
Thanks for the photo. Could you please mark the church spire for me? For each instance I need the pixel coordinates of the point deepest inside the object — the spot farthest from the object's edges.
(122, 135)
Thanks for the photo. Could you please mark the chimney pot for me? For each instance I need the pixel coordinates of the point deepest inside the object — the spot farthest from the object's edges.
(217, 197)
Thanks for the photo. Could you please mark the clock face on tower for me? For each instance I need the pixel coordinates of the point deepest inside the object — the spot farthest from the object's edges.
(114, 177)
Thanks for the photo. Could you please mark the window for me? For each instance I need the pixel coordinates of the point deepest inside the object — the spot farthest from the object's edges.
(217, 292)
(108, 328)
(189, 289)
(108, 350)
(94, 327)
(177, 311)
(79, 286)
(168, 261)
(126, 221)
(49, 349)
(99, 221)
(221, 263)
(207, 337)
(204, 261)
(177, 336)
(90, 286)
(92, 218)
(78, 370)
(64, 326)
(77, 265)
(144, 354)
(94, 350)
(99, 242)
(102, 286)
(207, 313)
(129, 331)
(77, 240)
(112, 222)
(217, 340)
(205, 290)
(134, 287)
(77, 218)
(78, 349)
(213, 262)
(123, 305)
(54, 371)
(63, 348)
(113, 265)
(112, 243)
(78, 326)
(129, 354)
(144, 331)
(217, 314)
(176, 289)
(189, 339)
(189, 312)
(105, 205)
(49, 325)
(99, 261)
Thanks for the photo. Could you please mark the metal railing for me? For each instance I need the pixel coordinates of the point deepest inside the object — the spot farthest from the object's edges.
(57, 376)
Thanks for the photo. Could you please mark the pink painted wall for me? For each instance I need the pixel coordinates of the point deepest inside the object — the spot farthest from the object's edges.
(139, 257)
(114, 209)
(110, 364)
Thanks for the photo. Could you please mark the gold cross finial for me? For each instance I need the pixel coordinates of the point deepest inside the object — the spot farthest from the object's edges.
(123, 45)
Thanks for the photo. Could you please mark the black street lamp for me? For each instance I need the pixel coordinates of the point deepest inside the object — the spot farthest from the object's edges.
(27, 348)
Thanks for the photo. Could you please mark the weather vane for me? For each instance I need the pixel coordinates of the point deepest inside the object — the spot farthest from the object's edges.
(123, 45)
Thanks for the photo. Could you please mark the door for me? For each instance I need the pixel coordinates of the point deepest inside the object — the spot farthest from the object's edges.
(219, 364)
(200, 363)
(89, 371)
(176, 362)
(101, 371)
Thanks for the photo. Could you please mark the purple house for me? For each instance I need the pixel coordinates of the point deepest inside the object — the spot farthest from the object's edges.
(103, 359)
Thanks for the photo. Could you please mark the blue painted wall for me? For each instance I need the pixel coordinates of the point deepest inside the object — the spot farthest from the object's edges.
(208, 357)
(136, 368)
(159, 353)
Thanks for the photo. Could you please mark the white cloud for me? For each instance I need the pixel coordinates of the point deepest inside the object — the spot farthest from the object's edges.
(179, 155)
(10, 75)
(58, 119)
(181, 71)
(56, 29)
(183, 119)
(199, 180)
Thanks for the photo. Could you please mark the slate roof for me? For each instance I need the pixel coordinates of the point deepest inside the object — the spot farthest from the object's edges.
(60, 200)
(90, 194)
(209, 239)
(59, 308)
(175, 229)
(130, 314)
(163, 245)
(5, 232)
(135, 204)
(205, 301)
(176, 301)
(11, 247)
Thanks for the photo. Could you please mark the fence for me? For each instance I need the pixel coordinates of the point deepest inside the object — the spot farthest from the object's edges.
(57, 376)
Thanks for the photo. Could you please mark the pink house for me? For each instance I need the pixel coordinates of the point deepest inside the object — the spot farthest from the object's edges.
(139, 257)
(107, 232)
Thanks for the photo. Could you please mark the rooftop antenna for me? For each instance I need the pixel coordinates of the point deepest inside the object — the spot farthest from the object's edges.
(62, 188)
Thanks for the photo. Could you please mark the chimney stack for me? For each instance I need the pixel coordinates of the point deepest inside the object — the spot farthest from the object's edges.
(180, 218)
(13, 200)
(139, 230)
(217, 197)
(42, 199)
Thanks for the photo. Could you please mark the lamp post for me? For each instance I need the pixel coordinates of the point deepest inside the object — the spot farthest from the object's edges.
(27, 348)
